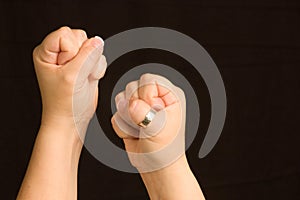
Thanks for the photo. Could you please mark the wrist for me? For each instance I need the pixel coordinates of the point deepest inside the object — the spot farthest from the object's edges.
(179, 165)
(54, 161)
(175, 182)
(156, 181)
(63, 131)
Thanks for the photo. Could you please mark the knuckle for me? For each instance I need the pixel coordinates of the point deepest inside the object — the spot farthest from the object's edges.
(83, 34)
(131, 87)
(112, 120)
(180, 92)
(37, 56)
(146, 76)
(118, 97)
(103, 60)
(35, 52)
(65, 30)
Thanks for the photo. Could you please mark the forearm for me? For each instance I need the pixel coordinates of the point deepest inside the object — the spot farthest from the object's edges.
(52, 171)
(175, 182)
(68, 66)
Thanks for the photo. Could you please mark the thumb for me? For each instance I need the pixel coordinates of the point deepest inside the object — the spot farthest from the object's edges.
(87, 58)
(95, 43)
(138, 109)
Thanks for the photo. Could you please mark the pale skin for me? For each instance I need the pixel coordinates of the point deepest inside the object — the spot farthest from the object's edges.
(52, 170)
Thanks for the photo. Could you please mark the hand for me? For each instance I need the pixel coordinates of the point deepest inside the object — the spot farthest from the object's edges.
(162, 141)
(68, 66)
(158, 150)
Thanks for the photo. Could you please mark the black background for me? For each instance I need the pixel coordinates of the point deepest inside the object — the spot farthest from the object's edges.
(256, 46)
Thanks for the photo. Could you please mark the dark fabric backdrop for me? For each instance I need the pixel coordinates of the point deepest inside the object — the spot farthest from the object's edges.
(256, 46)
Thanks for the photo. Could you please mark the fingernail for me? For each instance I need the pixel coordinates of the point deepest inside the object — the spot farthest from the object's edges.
(98, 42)
(99, 38)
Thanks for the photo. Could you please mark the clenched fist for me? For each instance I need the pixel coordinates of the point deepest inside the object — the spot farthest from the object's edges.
(158, 144)
(68, 66)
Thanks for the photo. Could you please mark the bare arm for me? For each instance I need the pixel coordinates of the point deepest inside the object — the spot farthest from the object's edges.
(173, 182)
(60, 61)
(52, 170)
(157, 150)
